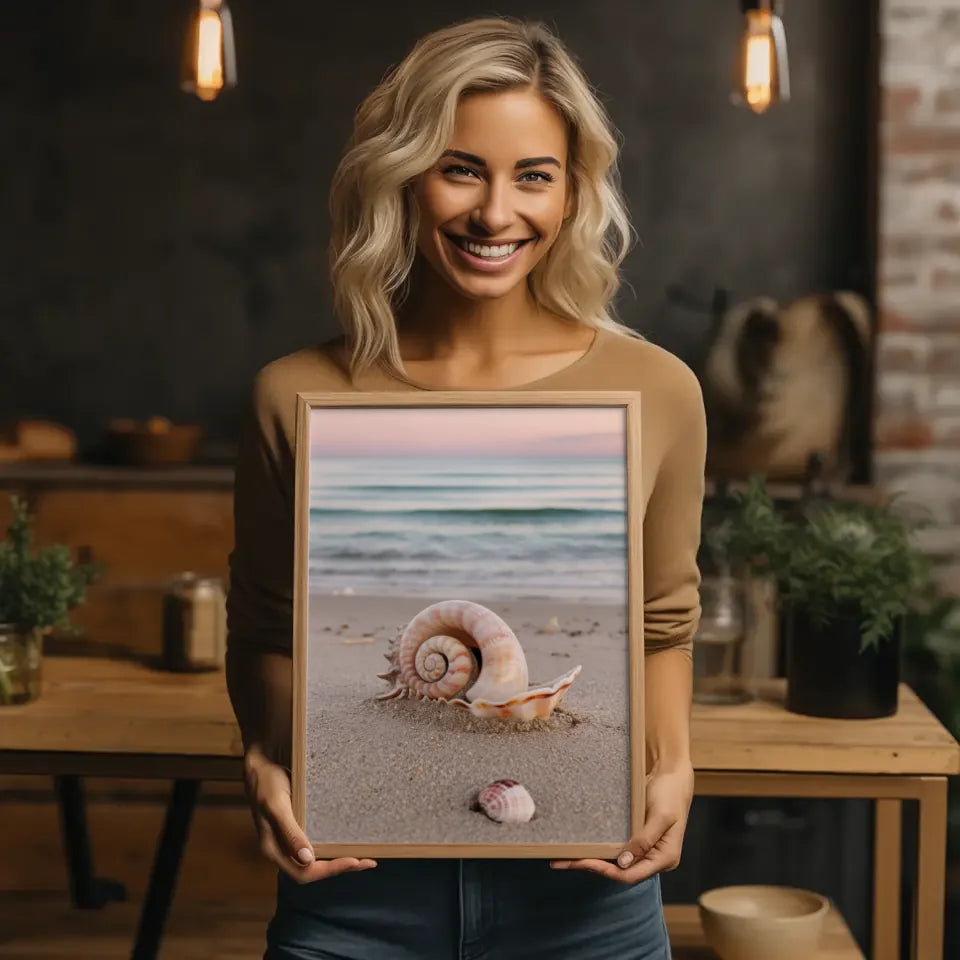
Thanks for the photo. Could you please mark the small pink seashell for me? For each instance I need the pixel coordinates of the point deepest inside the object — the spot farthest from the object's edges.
(506, 801)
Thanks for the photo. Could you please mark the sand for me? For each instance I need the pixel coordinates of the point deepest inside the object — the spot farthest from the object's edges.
(407, 771)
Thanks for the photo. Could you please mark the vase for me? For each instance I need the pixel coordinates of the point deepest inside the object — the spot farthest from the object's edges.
(718, 668)
(829, 675)
(21, 657)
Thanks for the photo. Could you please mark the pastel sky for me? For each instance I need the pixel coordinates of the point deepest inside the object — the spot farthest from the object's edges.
(467, 431)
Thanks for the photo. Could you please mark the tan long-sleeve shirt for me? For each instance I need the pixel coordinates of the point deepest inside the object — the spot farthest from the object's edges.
(673, 450)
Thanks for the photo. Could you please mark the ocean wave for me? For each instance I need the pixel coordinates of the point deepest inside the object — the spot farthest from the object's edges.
(470, 513)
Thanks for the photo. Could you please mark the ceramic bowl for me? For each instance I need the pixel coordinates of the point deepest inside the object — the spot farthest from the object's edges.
(755, 922)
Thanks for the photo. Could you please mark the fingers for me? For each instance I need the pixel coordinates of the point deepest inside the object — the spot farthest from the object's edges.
(273, 803)
(662, 856)
(655, 827)
(281, 839)
(658, 861)
(308, 873)
(602, 867)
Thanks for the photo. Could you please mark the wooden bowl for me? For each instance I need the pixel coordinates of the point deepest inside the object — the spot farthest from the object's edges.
(755, 922)
(153, 442)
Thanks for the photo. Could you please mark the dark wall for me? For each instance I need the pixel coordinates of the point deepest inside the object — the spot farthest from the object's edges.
(156, 250)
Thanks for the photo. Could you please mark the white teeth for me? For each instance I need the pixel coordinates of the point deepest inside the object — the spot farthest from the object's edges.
(481, 250)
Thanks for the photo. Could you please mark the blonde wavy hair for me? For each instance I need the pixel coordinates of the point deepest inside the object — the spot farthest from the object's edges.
(400, 131)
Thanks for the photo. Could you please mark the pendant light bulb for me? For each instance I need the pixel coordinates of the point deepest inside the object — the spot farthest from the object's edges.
(761, 76)
(210, 63)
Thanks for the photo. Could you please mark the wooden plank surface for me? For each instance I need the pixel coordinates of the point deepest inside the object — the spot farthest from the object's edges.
(763, 735)
(112, 706)
(115, 706)
(687, 941)
(43, 926)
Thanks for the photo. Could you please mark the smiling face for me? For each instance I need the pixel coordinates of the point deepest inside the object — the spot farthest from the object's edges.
(494, 203)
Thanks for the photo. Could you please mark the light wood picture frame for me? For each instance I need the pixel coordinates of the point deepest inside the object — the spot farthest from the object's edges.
(444, 522)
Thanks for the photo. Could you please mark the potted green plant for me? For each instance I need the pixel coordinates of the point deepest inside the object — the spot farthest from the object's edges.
(37, 591)
(847, 574)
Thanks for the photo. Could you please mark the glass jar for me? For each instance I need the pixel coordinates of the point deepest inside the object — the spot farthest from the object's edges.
(20, 662)
(194, 624)
(718, 661)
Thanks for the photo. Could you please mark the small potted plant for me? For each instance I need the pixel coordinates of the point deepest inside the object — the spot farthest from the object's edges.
(847, 574)
(37, 591)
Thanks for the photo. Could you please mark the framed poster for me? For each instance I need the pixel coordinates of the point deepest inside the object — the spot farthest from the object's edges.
(468, 631)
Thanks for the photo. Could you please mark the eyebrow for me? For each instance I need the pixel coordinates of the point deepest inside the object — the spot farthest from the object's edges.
(519, 165)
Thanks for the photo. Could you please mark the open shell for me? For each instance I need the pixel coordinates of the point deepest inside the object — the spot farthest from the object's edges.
(435, 658)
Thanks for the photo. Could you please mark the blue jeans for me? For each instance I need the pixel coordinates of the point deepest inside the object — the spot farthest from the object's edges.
(467, 910)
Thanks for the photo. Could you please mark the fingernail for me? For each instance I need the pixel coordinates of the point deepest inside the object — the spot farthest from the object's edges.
(305, 855)
(625, 858)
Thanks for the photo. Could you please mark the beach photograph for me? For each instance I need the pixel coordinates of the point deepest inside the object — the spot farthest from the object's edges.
(467, 652)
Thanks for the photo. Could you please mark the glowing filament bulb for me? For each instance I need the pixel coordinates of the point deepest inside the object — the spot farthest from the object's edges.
(209, 64)
(762, 75)
(758, 79)
(209, 55)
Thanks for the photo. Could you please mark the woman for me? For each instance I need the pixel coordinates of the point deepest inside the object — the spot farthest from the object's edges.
(473, 213)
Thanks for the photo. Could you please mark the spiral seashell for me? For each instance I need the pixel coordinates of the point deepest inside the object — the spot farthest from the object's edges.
(434, 658)
(506, 801)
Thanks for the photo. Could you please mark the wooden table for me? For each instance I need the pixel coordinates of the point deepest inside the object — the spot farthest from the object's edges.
(759, 749)
(107, 717)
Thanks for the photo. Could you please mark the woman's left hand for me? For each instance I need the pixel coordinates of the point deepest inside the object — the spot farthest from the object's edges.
(658, 845)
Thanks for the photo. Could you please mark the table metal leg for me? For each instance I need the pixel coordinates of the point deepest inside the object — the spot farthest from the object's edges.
(887, 860)
(930, 899)
(166, 864)
(86, 891)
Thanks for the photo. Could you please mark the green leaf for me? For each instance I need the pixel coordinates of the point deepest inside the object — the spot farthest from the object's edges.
(826, 556)
(39, 589)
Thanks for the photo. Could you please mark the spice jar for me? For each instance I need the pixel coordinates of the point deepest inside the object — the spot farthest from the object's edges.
(194, 623)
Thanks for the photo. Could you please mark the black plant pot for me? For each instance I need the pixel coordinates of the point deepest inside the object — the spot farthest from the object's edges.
(829, 676)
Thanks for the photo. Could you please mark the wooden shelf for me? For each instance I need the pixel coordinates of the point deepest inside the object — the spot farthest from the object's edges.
(785, 490)
(74, 476)
(688, 943)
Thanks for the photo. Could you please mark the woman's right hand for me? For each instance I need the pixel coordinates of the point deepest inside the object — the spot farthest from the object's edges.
(282, 841)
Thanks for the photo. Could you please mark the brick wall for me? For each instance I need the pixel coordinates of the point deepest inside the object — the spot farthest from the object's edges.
(917, 427)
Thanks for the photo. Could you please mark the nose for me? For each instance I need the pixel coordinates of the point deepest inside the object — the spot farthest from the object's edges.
(494, 213)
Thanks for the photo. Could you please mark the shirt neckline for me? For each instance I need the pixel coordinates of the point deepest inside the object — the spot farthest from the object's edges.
(598, 338)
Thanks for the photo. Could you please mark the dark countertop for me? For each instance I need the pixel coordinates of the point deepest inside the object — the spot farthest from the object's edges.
(214, 476)
(60, 474)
